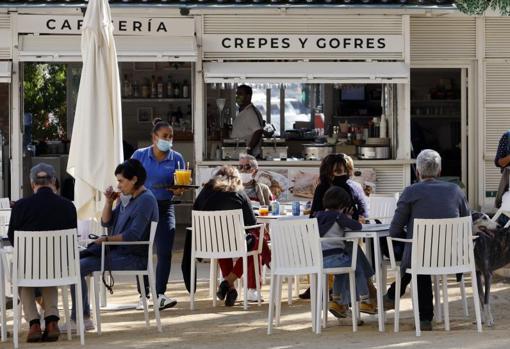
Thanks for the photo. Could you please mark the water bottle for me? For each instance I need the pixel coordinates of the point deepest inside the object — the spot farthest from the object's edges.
(275, 208)
(296, 208)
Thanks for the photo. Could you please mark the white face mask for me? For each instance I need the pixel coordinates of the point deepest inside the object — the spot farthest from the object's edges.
(246, 177)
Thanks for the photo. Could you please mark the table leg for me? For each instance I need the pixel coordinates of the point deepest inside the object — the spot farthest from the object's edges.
(368, 252)
(378, 278)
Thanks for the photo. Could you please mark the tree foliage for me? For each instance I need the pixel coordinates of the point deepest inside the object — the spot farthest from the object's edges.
(478, 7)
(44, 88)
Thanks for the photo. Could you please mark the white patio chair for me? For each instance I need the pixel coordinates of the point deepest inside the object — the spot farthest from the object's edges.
(295, 250)
(5, 203)
(222, 234)
(439, 247)
(139, 274)
(352, 283)
(382, 207)
(47, 259)
(5, 283)
(5, 217)
(502, 217)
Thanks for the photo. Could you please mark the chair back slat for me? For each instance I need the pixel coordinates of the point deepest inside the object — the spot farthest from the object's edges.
(45, 256)
(152, 236)
(442, 244)
(382, 207)
(5, 217)
(218, 232)
(295, 246)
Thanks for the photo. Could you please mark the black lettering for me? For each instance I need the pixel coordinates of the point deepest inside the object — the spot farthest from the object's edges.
(303, 42)
(238, 43)
(321, 43)
(347, 42)
(381, 43)
(262, 42)
(137, 26)
(66, 25)
(358, 43)
(161, 27)
(224, 43)
(122, 26)
(250, 43)
(80, 24)
(285, 43)
(334, 43)
(274, 43)
(52, 21)
(370, 43)
(149, 24)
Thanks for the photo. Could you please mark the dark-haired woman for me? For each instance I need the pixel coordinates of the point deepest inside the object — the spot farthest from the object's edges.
(160, 161)
(126, 223)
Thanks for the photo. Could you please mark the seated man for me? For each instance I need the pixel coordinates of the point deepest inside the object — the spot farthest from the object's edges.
(255, 190)
(126, 223)
(42, 211)
(432, 199)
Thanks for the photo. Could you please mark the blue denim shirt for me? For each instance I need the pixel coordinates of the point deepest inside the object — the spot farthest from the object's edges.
(159, 173)
(133, 222)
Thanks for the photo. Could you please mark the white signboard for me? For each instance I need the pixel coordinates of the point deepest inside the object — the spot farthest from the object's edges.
(122, 25)
(302, 43)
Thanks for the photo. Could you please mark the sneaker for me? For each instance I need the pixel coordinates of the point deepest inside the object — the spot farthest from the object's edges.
(139, 306)
(338, 310)
(368, 308)
(388, 303)
(231, 297)
(253, 295)
(305, 295)
(425, 325)
(165, 302)
(87, 323)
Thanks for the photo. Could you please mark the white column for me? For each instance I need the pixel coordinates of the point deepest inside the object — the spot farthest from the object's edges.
(199, 132)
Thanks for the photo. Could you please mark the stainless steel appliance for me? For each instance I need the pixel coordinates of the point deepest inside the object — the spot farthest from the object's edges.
(317, 151)
(231, 148)
(274, 148)
(372, 152)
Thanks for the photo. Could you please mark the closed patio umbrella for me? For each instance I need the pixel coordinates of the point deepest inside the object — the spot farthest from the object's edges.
(96, 143)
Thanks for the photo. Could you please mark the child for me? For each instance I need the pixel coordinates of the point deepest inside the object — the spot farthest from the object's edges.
(332, 223)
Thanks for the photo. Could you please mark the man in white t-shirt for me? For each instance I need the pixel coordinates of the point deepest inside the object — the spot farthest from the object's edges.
(249, 124)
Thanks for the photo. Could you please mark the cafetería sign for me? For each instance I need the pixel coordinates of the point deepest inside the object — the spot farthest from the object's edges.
(122, 25)
(302, 43)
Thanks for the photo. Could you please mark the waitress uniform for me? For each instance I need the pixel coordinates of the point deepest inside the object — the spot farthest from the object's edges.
(160, 174)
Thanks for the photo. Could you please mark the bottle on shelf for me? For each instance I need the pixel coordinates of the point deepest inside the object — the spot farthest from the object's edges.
(160, 87)
(382, 127)
(177, 90)
(136, 91)
(146, 90)
(169, 87)
(154, 87)
(185, 89)
(126, 87)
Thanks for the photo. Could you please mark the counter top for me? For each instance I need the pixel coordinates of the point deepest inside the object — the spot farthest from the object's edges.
(305, 163)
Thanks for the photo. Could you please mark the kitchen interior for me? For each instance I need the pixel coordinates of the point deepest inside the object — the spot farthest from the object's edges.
(310, 121)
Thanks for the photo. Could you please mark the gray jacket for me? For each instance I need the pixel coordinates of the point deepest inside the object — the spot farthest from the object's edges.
(427, 199)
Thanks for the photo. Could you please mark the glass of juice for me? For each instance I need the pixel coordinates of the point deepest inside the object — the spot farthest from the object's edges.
(264, 210)
(182, 177)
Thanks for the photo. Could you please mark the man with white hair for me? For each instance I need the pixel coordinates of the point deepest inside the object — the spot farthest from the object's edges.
(42, 211)
(429, 198)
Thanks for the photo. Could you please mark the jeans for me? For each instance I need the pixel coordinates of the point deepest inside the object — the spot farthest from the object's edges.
(90, 264)
(341, 291)
(164, 242)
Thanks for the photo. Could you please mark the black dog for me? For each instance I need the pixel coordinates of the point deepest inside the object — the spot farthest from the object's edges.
(492, 251)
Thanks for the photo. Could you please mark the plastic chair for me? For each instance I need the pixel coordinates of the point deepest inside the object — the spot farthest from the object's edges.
(47, 259)
(296, 250)
(5, 217)
(439, 247)
(382, 207)
(222, 234)
(5, 203)
(352, 283)
(139, 274)
(5, 281)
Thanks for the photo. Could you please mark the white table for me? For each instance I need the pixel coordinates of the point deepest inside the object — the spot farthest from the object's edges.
(374, 232)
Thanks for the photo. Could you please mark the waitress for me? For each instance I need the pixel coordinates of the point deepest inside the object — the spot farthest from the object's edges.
(160, 162)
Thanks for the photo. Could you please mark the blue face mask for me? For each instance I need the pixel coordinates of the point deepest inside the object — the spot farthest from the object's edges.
(164, 145)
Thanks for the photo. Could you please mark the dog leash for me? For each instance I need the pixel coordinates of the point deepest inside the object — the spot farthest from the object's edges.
(109, 285)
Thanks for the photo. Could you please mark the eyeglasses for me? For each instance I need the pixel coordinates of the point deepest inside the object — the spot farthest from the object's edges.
(245, 167)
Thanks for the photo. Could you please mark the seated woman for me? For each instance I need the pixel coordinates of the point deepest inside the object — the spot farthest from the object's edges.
(225, 192)
(332, 222)
(127, 222)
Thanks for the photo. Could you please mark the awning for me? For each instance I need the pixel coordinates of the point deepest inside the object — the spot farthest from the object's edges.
(66, 48)
(310, 72)
(5, 72)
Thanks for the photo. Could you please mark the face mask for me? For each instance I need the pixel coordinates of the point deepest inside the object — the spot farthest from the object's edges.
(337, 180)
(164, 145)
(125, 199)
(246, 177)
